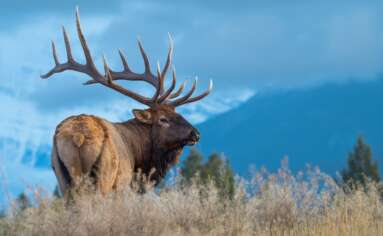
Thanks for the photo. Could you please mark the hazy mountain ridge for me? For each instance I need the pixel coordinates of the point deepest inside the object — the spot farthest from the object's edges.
(317, 126)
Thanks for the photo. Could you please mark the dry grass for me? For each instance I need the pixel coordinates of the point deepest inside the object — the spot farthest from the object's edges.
(308, 203)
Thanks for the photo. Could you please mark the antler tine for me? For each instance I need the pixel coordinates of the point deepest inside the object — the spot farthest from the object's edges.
(84, 45)
(69, 65)
(181, 100)
(54, 52)
(179, 91)
(199, 97)
(107, 70)
(109, 78)
(160, 86)
(169, 57)
(149, 77)
(130, 76)
(124, 61)
(170, 89)
(118, 88)
(127, 74)
(116, 77)
(67, 46)
(144, 57)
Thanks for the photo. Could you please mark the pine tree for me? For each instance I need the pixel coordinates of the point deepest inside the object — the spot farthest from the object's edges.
(22, 202)
(361, 167)
(191, 166)
(216, 170)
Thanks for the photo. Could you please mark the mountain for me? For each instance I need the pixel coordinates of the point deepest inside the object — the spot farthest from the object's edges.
(316, 126)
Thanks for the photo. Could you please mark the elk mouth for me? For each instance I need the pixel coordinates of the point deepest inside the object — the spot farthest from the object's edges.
(191, 142)
(193, 138)
(186, 142)
(182, 144)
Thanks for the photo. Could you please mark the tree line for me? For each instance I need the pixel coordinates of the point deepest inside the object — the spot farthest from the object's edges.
(361, 168)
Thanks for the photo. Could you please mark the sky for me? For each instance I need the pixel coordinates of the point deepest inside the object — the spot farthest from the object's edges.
(245, 47)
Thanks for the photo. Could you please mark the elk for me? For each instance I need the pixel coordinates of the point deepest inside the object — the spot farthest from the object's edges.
(111, 153)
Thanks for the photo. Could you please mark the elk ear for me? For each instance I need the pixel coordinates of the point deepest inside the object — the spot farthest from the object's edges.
(144, 116)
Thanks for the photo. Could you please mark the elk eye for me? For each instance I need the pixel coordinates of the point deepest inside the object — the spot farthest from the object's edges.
(164, 120)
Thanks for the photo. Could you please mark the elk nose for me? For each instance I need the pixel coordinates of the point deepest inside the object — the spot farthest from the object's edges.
(194, 135)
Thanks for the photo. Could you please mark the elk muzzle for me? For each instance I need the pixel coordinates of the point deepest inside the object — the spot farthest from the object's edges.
(193, 137)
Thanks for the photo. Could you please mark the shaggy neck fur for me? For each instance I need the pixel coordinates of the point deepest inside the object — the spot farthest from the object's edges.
(147, 154)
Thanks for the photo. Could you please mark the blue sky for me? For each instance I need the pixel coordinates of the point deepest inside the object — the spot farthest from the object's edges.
(244, 46)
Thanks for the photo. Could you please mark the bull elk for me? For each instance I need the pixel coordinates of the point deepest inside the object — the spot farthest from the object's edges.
(111, 153)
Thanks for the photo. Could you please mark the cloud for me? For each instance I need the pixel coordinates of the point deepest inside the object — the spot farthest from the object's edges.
(256, 44)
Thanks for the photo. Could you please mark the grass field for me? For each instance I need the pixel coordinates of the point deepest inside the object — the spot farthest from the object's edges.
(308, 203)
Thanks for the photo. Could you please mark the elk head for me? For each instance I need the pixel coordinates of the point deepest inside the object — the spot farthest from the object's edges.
(168, 128)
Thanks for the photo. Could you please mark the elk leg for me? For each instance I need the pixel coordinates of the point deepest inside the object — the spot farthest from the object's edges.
(107, 168)
(62, 174)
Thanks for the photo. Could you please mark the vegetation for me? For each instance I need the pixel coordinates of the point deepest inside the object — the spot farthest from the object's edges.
(22, 202)
(205, 199)
(216, 170)
(360, 166)
(308, 203)
(56, 192)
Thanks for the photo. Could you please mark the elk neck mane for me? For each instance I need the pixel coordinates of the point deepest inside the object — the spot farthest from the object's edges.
(147, 155)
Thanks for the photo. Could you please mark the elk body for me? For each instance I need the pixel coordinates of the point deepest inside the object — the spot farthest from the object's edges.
(111, 153)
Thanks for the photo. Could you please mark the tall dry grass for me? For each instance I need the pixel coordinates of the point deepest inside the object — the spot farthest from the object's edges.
(308, 203)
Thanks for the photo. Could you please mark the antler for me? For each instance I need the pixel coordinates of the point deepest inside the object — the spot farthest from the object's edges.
(157, 81)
